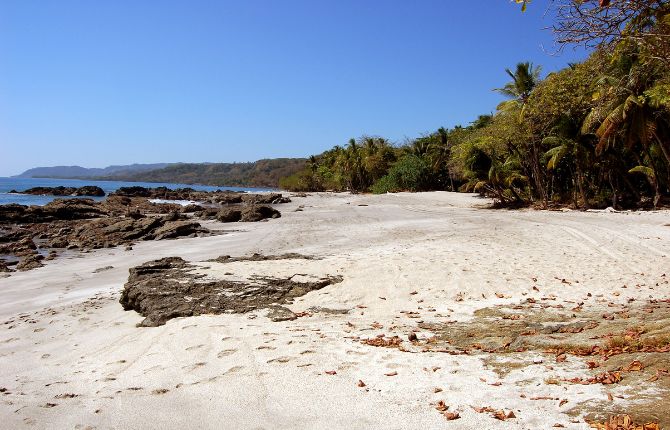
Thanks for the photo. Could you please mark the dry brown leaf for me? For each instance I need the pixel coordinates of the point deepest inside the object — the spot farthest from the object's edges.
(441, 406)
(437, 390)
(394, 373)
(331, 372)
(391, 342)
(450, 416)
(592, 364)
(500, 415)
(623, 422)
(634, 366)
(561, 358)
(361, 383)
(483, 409)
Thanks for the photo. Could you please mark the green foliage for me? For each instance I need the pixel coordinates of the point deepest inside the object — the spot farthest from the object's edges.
(596, 133)
(410, 173)
(261, 173)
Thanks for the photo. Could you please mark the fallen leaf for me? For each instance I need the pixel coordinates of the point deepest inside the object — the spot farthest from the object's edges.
(394, 373)
(451, 416)
(634, 366)
(441, 406)
(561, 358)
(361, 383)
(483, 409)
(500, 415)
(331, 372)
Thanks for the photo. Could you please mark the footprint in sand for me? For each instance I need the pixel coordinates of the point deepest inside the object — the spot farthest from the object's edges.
(234, 369)
(225, 353)
(190, 348)
(153, 368)
(194, 366)
(280, 360)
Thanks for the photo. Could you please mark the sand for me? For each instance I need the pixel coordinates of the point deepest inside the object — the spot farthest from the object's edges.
(70, 357)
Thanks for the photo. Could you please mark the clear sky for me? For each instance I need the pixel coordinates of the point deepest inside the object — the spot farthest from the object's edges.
(95, 83)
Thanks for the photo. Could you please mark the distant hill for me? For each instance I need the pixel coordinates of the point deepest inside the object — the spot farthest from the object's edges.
(261, 173)
(77, 172)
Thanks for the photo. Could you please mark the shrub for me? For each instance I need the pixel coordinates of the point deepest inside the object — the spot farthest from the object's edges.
(410, 173)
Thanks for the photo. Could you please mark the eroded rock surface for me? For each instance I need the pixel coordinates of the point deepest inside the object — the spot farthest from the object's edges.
(125, 216)
(170, 287)
(87, 190)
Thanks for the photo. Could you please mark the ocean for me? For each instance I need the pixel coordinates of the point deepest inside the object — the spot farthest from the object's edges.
(20, 184)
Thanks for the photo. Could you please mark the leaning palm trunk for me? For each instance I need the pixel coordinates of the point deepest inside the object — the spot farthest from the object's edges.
(537, 174)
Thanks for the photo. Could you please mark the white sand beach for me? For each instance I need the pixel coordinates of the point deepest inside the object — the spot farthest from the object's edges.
(71, 357)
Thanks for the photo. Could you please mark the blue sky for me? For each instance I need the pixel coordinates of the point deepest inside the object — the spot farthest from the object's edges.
(95, 83)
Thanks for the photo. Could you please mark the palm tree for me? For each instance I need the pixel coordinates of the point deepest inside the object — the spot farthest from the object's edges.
(524, 79)
(629, 116)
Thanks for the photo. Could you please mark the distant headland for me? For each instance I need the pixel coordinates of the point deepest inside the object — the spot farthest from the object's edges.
(261, 173)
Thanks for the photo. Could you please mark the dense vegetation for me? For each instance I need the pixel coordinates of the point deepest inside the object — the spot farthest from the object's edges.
(261, 173)
(594, 134)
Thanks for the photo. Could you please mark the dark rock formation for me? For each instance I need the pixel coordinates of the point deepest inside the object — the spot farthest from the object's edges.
(247, 213)
(59, 209)
(164, 289)
(4, 268)
(30, 262)
(122, 218)
(88, 190)
(265, 199)
(257, 213)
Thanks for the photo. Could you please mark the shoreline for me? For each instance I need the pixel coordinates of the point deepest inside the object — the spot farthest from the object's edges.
(407, 261)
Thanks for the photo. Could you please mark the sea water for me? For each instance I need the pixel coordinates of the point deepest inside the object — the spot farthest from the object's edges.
(20, 184)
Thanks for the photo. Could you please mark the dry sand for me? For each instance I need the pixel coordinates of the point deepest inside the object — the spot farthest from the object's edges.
(70, 357)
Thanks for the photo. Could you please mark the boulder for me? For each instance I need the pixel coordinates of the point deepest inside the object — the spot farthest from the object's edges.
(229, 215)
(258, 212)
(4, 268)
(89, 190)
(176, 229)
(264, 199)
(30, 262)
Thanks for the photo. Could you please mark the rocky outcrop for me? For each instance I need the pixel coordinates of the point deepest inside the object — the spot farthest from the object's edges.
(110, 232)
(167, 288)
(88, 190)
(4, 268)
(30, 262)
(59, 209)
(247, 213)
(264, 199)
(223, 197)
(121, 219)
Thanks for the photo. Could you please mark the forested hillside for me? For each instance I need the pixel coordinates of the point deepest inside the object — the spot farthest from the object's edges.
(261, 173)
